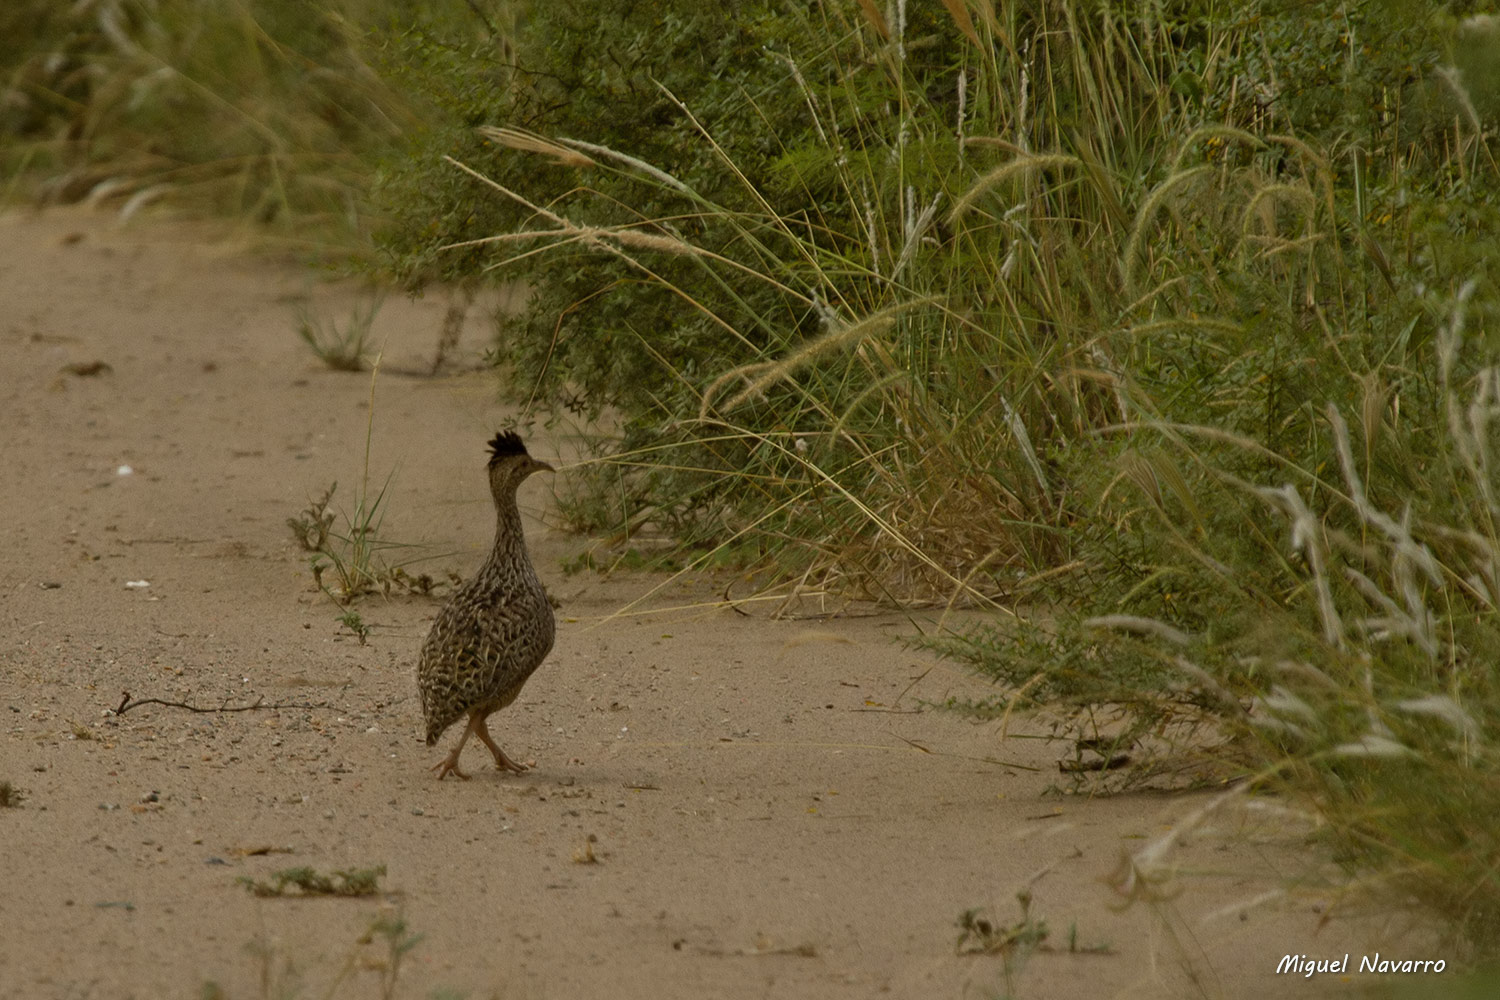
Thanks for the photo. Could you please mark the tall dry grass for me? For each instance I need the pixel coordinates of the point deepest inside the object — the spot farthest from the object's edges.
(262, 110)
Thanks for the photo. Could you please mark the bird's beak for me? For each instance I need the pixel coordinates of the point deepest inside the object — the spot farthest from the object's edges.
(543, 466)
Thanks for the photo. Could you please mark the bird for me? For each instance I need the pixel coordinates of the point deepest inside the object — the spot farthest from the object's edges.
(495, 630)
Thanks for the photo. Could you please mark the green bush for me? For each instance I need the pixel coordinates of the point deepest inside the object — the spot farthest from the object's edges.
(693, 201)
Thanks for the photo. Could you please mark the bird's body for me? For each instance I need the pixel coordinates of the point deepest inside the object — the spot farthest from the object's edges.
(495, 630)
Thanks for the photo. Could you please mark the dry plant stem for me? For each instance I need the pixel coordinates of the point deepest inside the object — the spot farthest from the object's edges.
(127, 703)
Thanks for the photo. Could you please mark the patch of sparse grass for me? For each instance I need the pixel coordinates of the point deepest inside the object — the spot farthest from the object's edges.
(355, 555)
(980, 934)
(392, 930)
(306, 881)
(342, 348)
(382, 949)
(351, 561)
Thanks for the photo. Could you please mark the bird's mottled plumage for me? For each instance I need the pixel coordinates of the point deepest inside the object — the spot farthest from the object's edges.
(495, 630)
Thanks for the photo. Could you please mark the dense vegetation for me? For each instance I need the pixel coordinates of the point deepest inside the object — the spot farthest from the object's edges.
(1172, 321)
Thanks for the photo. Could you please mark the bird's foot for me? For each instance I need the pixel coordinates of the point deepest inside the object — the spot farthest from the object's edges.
(448, 766)
(504, 763)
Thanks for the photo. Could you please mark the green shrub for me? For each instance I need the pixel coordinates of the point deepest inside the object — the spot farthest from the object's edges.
(814, 268)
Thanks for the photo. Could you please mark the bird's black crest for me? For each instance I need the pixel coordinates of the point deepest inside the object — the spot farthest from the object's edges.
(504, 445)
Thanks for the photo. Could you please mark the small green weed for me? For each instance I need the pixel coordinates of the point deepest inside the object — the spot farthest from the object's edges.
(979, 934)
(353, 554)
(306, 881)
(1075, 947)
(352, 621)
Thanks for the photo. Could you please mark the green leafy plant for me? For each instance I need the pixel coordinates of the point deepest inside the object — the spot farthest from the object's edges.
(399, 941)
(728, 443)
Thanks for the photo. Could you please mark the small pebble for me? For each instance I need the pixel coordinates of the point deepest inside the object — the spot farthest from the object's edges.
(417, 812)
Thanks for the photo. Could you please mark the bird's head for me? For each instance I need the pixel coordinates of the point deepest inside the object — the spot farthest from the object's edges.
(510, 464)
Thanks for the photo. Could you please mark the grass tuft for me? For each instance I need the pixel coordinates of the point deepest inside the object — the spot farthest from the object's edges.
(343, 348)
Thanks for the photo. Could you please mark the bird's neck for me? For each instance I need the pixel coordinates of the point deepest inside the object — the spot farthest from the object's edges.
(509, 538)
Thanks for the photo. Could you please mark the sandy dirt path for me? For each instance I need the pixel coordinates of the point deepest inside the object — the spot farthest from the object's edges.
(762, 825)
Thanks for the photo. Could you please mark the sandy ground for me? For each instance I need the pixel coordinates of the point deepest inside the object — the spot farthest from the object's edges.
(766, 818)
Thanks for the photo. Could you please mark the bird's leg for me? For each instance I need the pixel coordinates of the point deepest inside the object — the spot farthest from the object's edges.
(450, 763)
(502, 762)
